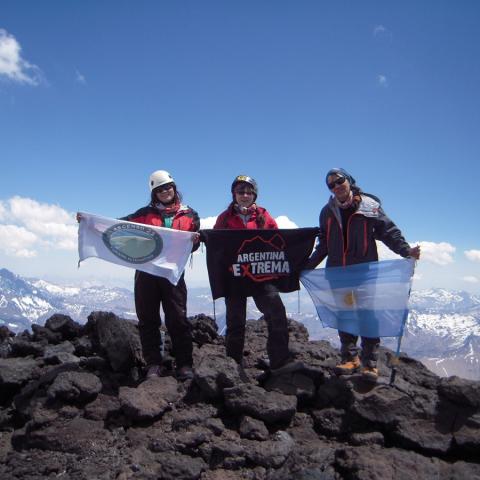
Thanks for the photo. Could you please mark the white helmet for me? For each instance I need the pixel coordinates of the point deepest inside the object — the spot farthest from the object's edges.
(160, 177)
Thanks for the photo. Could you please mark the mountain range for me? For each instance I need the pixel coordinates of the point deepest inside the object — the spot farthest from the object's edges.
(442, 331)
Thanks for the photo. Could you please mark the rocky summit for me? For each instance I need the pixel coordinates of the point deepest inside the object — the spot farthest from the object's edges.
(74, 404)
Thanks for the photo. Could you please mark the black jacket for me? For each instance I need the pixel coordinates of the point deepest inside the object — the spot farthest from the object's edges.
(367, 224)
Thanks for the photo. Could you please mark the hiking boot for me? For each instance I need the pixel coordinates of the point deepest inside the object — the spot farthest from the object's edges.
(370, 373)
(347, 368)
(185, 373)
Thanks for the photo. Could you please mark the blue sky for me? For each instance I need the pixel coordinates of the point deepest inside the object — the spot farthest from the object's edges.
(94, 96)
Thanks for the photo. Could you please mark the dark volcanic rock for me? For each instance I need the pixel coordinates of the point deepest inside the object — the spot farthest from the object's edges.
(71, 407)
(252, 429)
(103, 407)
(22, 348)
(43, 334)
(60, 353)
(204, 329)
(270, 407)
(63, 325)
(376, 463)
(215, 372)
(78, 435)
(177, 466)
(15, 372)
(118, 338)
(331, 422)
(422, 435)
(460, 391)
(75, 387)
(383, 405)
(150, 399)
(466, 433)
(297, 383)
(5, 333)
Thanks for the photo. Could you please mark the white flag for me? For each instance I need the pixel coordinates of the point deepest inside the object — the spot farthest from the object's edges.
(160, 251)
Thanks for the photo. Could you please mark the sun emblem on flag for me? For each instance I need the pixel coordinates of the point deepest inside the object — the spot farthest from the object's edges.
(350, 299)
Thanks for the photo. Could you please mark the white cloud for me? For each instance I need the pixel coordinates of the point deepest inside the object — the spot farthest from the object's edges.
(79, 78)
(284, 222)
(470, 279)
(382, 81)
(384, 253)
(438, 253)
(473, 255)
(208, 222)
(17, 241)
(12, 65)
(3, 212)
(379, 30)
(31, 210)
(27, 226)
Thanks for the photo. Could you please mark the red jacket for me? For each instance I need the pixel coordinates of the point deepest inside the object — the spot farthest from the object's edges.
(230, 219)
(185, 218)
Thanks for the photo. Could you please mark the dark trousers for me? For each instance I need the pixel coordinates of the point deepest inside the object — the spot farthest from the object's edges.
(349, 349)
(271, 305)
(150, 292)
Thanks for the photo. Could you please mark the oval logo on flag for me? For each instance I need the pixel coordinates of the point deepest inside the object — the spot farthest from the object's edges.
(133, 243)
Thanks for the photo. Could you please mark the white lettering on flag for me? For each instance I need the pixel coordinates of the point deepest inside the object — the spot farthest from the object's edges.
(160, 251)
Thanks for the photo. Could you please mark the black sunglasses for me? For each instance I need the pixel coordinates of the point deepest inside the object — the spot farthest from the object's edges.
(336, 182)
(164, 188)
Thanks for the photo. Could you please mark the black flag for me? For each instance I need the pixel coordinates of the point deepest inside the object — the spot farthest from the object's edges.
(238, 261)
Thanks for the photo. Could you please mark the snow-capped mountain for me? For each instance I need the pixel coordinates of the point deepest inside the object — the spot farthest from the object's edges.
(25, 301)
(443, 328)
(443, 331)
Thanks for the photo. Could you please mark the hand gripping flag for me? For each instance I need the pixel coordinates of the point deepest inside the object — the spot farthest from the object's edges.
(367, 299)
(240, 261)
(160, 251)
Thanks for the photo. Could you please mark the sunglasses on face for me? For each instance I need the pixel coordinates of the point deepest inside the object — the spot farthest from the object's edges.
(243, 192)
(164, 188)
(336, 182)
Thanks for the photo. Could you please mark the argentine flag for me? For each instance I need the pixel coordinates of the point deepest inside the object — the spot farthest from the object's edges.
(367, 299)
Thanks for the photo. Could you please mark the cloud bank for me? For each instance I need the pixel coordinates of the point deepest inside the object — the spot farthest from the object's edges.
(12, 65)
(438, 253)
(473, 255)
(28, 226)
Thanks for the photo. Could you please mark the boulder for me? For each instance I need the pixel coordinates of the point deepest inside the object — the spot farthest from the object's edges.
(215, 372)
(81, 387)
(150, 399)
(270, 407)
(460, 391)
(118, 338)
(64, 325)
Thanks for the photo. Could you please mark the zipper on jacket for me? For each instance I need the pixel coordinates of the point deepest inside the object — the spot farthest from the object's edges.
(341, 231)
(329, 224)
(348, 236)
